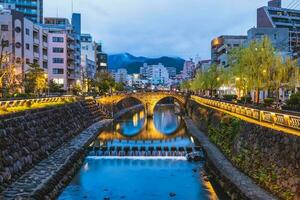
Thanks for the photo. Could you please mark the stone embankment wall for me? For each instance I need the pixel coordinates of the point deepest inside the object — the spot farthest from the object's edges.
(29, 137)
(269, 157)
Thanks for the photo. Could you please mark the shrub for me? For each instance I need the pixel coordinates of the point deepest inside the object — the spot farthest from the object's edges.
(245, 99)
(293, 103)
(229, 97)
(268, 101)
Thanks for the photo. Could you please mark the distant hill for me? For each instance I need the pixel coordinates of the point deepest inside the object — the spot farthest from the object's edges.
(133, 63)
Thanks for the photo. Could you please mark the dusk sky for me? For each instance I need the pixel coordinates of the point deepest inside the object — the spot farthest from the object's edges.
(156, 28)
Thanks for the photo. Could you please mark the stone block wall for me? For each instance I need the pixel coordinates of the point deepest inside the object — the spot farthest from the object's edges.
(29, 137)
(270, 157)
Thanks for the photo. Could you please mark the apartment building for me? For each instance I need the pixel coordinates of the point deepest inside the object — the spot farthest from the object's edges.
(88, 55)
(274, 16)
(64, 52)
(32, 9)
(23, 42)
(221, 46)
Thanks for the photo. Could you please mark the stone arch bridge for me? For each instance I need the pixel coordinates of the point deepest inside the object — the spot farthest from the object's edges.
(148, 99)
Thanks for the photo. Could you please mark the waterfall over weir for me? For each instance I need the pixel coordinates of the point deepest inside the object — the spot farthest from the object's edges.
(143, 151)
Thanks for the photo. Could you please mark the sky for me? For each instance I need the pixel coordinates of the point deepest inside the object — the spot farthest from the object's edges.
(155, 28)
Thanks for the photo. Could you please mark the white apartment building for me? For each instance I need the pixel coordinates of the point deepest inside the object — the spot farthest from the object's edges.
(188, 69)
(23, 41)
(156, 74)
(88, 54)
(121, 76)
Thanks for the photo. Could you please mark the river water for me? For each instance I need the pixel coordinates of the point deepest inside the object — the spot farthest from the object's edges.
(144, 177)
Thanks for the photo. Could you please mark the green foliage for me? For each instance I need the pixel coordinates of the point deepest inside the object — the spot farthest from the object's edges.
(35, 79)
(185, 85)
(245, 100)
(293, 103)
(268, 101)
(209, 80)
(229, 97)
(54, 87)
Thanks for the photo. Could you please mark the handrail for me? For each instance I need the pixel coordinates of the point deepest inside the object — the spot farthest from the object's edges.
(270, 117)
(22, 102)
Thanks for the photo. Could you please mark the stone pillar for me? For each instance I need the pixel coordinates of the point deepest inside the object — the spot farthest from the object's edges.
(150, 108)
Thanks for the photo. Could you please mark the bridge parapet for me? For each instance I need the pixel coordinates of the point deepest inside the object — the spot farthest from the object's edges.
(274, 119)
(148, 99)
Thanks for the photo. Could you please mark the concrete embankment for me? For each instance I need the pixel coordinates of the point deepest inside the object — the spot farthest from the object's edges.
(238, 185)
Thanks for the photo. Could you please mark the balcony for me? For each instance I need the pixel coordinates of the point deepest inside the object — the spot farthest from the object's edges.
(36, 55)
(36, 41)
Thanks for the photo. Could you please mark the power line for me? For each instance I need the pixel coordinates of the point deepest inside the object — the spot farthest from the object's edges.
(297, 5)
(293, 4)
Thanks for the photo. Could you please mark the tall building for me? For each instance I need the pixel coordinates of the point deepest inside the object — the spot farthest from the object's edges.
(121, 76)
(172, 72)
(221, 46)
(23, 42)
(156, 74)
(88, 63)
(32, 9)
(274, 16)
(279, 38)
(101, 58)
(188, 69)
(64, 52)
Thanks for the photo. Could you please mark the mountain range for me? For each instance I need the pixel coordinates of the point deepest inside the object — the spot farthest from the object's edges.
(133, 63)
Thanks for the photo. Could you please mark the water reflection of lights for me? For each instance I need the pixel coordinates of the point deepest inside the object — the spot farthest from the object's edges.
(135, 119)
(192, 139)
(142, 114)
(86, 167)
(118, 126)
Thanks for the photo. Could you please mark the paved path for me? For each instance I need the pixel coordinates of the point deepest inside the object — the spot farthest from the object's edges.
(240, 180)
(46, 173)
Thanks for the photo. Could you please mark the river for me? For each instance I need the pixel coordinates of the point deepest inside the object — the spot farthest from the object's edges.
(153, 175)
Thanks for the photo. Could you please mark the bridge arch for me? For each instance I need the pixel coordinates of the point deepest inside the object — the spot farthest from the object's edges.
(148, 99)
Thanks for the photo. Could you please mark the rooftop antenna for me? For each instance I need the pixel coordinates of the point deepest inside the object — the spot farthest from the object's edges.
(72, 6)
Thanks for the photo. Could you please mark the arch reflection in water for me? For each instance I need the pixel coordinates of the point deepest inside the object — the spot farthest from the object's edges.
(135, 126)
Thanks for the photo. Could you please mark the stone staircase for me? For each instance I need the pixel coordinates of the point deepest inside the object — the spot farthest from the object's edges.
(97, 112)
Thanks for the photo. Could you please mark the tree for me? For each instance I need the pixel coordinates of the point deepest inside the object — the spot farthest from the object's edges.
(55, 87)
(35, 79)
(185, 85)
(104, 82)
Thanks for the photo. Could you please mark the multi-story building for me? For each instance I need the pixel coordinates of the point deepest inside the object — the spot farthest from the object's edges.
(279, 38)
(274, 16)
(121, 76)
(156, 74)
(172, 72)
(23, 42)
(88, 63)
(221, 46)
(32, 9)
(188, 69)
(64, 52)
(101, 58)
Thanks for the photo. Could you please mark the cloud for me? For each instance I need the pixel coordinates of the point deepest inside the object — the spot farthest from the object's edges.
(160, 27)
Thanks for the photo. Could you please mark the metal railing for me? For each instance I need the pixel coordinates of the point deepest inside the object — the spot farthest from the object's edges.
(24, 102)
(273, 118)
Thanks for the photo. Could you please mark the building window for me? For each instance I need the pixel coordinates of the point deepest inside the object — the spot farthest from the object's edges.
(58, 71)
(58, 60)
(27, 31)
(27, 46)
(18, 45)
(18, 29)
(18, 60)
(4, 27)
(57, 50)
(58, 39)
(27, 61)
(59, 81)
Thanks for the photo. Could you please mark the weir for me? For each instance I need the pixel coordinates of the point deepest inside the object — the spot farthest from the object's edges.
(145, 151)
